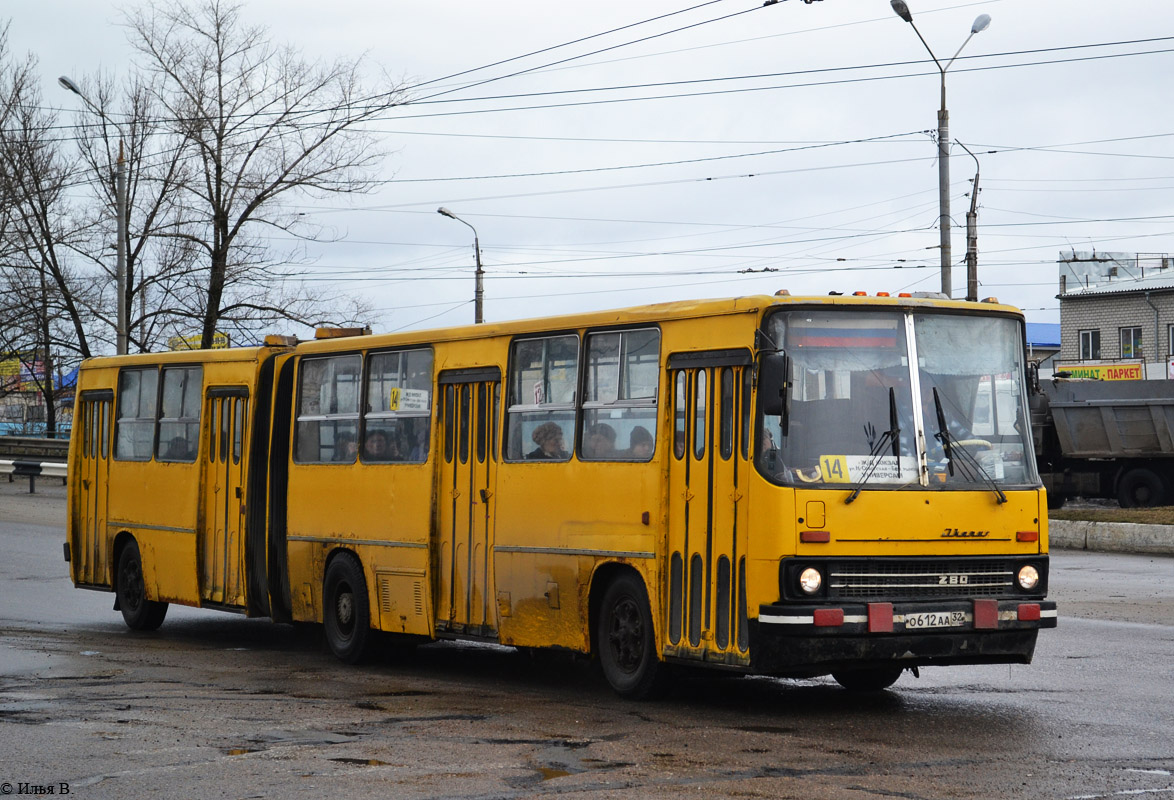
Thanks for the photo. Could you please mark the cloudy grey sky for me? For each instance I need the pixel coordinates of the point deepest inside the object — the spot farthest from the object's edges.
(796, 136)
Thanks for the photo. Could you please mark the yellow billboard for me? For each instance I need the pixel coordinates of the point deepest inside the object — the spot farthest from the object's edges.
(219, 342)
(1104, 372)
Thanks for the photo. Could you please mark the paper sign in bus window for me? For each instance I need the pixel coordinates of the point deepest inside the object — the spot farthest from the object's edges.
(852, 469)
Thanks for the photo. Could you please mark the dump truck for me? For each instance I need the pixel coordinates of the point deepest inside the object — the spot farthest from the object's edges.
(1111, 439)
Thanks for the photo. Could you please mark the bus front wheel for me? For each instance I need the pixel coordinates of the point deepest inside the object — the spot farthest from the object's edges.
(345, 612)
(626, 643)
(868, 680)
(139, 613)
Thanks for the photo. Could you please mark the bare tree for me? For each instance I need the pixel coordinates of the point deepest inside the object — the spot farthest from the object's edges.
(256, 124)
(39, 223)
(44, 310)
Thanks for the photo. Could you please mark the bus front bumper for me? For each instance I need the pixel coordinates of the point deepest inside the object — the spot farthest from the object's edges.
(805, 640)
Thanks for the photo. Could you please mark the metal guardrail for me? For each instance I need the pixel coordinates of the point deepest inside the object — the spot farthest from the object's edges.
(33, 470)
(35, 448)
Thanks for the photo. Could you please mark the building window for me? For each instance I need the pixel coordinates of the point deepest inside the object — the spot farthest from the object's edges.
(1131, 342)
(1090, 345)
(1170, 338)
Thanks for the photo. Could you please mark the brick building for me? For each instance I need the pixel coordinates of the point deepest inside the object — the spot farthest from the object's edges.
(1114, 309)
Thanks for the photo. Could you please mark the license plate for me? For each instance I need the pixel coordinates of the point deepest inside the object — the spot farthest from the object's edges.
(935, 619)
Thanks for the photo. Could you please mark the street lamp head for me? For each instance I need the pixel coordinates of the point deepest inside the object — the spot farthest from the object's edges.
(902, 10)
(66, 83)
(981, 23)
(446, 213)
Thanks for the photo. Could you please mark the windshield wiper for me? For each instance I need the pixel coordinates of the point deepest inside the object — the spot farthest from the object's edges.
(893, 434)
(965, 457)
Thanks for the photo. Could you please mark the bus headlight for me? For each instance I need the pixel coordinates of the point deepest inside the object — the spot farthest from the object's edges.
(1028, 578)
(810, 580)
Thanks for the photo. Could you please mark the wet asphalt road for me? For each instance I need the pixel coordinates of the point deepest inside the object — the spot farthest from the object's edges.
(215, 705)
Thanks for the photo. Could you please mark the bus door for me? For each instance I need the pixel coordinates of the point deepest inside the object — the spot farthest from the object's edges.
(707, 506)
(464, 531)
(222, 537)
(90, 549)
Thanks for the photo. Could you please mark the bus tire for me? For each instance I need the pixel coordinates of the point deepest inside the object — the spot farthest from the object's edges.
(139, 613)
(873, 679)
(626, 642)
(346, 616)
(1140, 487)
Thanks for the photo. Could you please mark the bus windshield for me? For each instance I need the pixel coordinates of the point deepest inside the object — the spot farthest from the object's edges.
(849, 414)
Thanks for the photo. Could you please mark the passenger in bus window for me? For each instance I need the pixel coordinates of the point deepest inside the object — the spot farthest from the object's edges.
(345, 448)
(549, 438)
(177, 450)
(601, 441)
(420, 451)
(376, 446)
(640, 443)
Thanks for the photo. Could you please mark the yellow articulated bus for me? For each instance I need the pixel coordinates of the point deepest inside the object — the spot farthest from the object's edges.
(794, 486)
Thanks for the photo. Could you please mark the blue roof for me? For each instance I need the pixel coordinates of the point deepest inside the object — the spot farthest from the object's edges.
(1043, 334)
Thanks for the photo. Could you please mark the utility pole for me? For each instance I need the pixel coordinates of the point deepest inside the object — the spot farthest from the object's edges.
(972, 234)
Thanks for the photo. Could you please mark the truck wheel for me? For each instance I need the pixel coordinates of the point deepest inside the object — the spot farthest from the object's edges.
(345, 612)
(1140, 488)
(627, 648)
(868, 680)
(139, 613)
(1056, 500)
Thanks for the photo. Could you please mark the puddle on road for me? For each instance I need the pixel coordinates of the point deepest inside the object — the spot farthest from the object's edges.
(361, 762)
(559, 758)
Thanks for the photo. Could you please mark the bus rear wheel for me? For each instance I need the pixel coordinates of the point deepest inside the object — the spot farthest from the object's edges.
(868, 680)
(626, 643)
(345, 611)
(139, 613)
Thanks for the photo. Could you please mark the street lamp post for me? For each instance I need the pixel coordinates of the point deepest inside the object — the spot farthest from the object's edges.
(980, 24)
(479, 289)
(120, 211)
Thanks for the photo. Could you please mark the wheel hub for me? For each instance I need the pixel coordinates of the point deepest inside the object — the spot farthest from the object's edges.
(627, 635)
(345, 608)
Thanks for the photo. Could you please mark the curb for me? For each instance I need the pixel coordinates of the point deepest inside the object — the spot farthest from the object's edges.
(1111, 537)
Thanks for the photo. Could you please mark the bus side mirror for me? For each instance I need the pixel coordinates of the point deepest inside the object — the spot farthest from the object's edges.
(772, 384)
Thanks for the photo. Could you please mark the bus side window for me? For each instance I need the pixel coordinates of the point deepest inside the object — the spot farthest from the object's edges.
(544, 375)
(619, 409)
(699, 418)
(681, 409)
(399, 406)
(727, 412)
(746, 410)
(135, 427)
(328, 409)
(179, 417)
